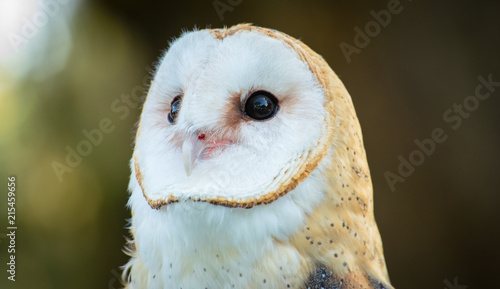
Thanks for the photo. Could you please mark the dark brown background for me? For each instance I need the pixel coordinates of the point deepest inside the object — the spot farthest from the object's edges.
(440, 224)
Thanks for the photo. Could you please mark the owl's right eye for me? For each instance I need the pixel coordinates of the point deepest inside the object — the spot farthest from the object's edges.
(175, 106)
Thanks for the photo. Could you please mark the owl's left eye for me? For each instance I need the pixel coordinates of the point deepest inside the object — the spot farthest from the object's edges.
(261, 105)
(174, 109)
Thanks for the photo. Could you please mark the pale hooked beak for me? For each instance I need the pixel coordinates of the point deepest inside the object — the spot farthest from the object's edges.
(192, 147)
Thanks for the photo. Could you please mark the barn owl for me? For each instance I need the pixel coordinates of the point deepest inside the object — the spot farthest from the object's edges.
(249, 171)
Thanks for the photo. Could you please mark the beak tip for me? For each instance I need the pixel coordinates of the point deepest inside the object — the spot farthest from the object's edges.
(188, 171)
(191, 150)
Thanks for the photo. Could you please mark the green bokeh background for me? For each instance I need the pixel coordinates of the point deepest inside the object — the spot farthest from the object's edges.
(440, 224)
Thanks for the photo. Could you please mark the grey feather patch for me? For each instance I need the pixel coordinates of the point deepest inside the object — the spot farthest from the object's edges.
(323, 278)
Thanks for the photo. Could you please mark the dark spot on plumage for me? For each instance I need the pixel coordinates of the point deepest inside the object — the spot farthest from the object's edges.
(321, 278)
(327, 279)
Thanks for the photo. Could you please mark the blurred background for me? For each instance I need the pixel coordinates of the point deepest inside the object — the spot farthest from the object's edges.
(66, 65)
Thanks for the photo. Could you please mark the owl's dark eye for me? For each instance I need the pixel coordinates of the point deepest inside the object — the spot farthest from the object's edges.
(174, 109)
(261, 105)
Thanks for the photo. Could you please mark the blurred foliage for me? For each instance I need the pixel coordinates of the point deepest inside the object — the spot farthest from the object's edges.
(439, 224)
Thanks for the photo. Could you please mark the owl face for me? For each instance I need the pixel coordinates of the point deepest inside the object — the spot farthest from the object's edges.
(232, 121)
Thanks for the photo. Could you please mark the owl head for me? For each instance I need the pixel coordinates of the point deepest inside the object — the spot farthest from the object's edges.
(235, 121)
(243, 117)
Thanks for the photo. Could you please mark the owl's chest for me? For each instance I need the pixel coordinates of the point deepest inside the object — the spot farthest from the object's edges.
(216, 251)
(231, 268)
